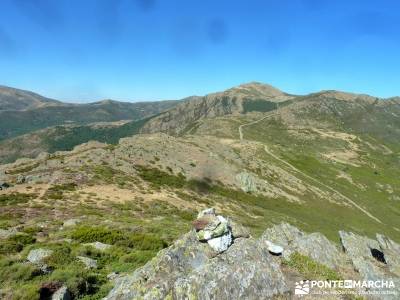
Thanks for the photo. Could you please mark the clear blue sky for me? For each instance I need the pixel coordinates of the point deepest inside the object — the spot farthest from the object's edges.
(168, 49)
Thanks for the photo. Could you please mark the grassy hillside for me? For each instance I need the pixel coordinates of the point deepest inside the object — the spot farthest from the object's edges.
(13, 123)
(64, 138)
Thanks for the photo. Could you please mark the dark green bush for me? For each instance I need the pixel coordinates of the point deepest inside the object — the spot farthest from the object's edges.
(16, 271)
(140, 241)
(160, 178)
(61, 256)
(143, 241)
(87, 234)
(137, 258)
(311, 269)
(80, 282)
(56, 192)
(16, 243)
(15, 198)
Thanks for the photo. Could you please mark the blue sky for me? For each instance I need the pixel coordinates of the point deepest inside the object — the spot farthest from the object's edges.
(167, 49)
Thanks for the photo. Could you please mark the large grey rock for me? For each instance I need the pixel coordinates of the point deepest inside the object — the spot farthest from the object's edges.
(6, 233)
(20, 179)
(71, 222)
(358, 248)
(37, 256)
(361, 251)
(245, 271)
(62, 294)
(391, 251)
(314, 245)
(238, 230)
(88, 262)
(246, 182)
(190, 269)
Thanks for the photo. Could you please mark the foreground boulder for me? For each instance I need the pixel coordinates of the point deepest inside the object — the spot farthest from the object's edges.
(373, 260)
(37, 256)
(88, 262)
(192, 268)
(62, 294)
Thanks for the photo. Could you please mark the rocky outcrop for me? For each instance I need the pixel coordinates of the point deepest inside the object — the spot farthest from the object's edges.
(6, 233)
(62, 294)
(247, 182)
(193, 109)
(37, 256)
(88, 262)
(314, 245)
(192, 269)
(373, 260)
(391, 251)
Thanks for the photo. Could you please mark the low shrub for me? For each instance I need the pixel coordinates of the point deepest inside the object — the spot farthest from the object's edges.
(137, 258)
(61, 256)
(15, 198)
(160, 178)
(16, 243)
(56, 192)
(144, 241)
(80, 282)
(310, 269)
(87, 234)
(14, 271)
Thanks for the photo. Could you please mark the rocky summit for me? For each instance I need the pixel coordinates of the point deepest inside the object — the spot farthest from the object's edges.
(192, 268)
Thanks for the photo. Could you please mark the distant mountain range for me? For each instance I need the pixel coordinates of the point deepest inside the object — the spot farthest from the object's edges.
(30, 123)
(23, 112)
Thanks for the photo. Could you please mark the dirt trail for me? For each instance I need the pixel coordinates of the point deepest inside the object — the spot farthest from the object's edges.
(252, 123)
(241, 135)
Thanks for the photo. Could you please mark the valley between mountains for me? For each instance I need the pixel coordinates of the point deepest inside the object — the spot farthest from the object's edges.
(134, 176)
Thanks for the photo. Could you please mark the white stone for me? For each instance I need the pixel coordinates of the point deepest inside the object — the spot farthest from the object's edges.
(98, 246)
(62, 294)
(275, 249)
(71, 222)
(221, 243)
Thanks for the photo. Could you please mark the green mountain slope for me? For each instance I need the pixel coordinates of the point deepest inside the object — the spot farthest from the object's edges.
(32, 113)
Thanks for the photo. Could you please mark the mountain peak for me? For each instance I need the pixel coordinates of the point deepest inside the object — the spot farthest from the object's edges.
(255, 88)
(16, 99)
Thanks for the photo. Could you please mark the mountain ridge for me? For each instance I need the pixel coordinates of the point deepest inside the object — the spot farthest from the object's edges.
(27, 112)
(185, 115)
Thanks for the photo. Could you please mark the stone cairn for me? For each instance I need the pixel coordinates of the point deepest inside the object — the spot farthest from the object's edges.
(213, 229)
